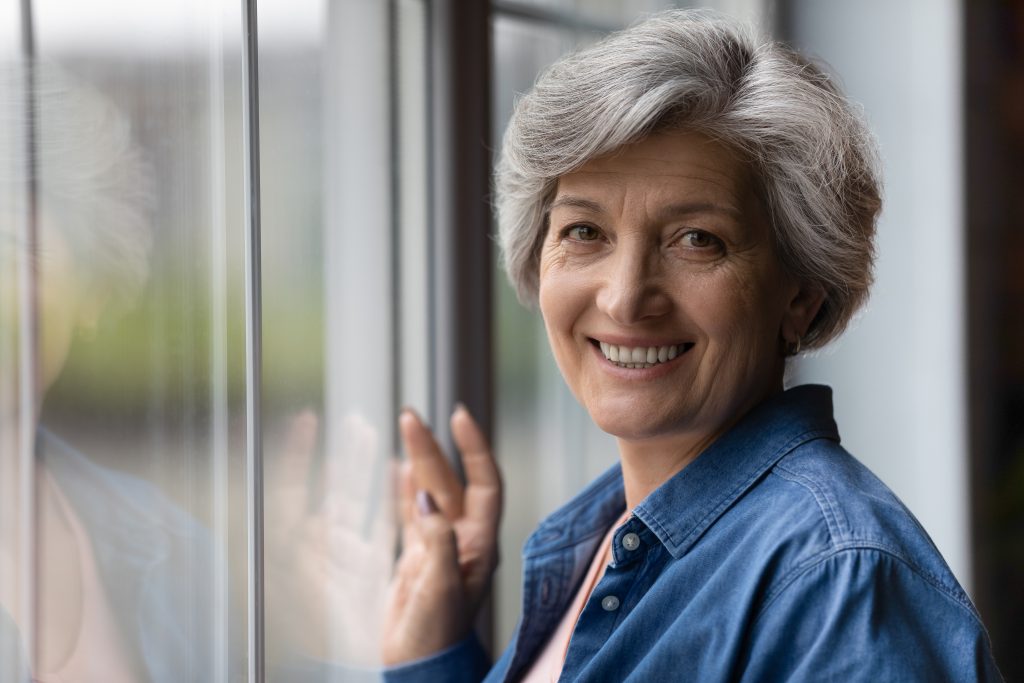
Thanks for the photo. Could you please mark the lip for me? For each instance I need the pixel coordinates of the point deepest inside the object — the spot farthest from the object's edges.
(637, 374)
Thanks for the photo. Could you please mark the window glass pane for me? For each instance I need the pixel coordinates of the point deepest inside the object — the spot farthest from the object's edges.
(126, 140)
(612, 13)
(344, 215)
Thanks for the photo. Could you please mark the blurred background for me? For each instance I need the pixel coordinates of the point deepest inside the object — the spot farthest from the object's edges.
(377, 122)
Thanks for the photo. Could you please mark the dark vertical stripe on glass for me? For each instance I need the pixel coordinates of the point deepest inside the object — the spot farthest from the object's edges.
(253, 346)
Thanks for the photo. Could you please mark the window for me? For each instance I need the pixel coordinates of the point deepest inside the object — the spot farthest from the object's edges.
(130, 500)
(227, 259)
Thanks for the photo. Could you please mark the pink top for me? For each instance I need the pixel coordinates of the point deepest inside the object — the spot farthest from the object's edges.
(98, 654)
(548, 666)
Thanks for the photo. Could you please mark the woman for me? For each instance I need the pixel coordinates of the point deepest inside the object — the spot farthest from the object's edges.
(689, 205)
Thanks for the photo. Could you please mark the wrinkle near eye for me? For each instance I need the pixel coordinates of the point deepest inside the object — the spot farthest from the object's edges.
(553, 254)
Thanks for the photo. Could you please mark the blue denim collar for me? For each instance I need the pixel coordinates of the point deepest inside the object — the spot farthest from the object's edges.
(683, 508)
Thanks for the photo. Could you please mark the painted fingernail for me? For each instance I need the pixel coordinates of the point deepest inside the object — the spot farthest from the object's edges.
(425, 503)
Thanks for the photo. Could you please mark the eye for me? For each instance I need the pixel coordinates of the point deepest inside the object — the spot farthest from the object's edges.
(698, 239)
(581, 233)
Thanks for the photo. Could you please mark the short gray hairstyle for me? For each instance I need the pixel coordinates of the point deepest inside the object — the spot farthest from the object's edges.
(812, 157)
(94, 186)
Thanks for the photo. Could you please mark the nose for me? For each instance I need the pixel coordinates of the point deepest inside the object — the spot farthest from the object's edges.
(632, 290)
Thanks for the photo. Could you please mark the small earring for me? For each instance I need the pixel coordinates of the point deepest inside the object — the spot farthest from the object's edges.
(794, 347)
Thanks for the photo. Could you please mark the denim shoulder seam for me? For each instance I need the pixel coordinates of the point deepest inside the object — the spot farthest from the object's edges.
(816, 561)
(726, 501)
(831, 512)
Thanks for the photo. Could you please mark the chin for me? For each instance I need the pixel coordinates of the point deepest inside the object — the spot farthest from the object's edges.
(629, 426)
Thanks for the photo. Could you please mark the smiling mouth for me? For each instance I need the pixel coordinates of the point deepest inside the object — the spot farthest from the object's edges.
(636, 357)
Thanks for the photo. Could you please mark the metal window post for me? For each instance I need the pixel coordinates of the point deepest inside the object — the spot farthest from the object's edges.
(253, 343)
(461, 249)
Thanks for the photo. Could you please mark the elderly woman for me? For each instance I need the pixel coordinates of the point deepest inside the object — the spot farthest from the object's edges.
(690, 205)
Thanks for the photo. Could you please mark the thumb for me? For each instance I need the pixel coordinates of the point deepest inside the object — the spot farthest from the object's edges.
(430, 597)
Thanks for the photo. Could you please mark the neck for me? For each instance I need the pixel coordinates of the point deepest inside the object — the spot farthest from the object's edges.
(650, 462)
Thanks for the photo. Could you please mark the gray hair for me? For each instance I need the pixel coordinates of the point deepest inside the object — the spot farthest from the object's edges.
(94, 187)
(813, 159)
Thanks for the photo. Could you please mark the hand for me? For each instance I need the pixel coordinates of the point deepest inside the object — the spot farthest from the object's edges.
(329, 548)
(450, 546)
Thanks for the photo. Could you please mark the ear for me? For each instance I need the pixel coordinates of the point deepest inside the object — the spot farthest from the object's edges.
(804, 303)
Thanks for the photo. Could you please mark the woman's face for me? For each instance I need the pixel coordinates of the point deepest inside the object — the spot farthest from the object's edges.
(664, 301)
(64, 305)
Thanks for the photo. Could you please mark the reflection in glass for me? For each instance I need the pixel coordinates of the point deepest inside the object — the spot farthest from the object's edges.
(125, 150)
(344, 209)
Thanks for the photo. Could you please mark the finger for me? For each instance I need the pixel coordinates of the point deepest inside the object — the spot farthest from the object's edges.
(439, 543)
(407, 503)
(431, 469)
(384, 529)
(290, 480)
(297, 452)
(483, 496)
(352, 472)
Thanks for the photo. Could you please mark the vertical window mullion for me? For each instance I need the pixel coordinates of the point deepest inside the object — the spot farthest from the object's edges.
(253, 346)
(28, 352)
(460, 42)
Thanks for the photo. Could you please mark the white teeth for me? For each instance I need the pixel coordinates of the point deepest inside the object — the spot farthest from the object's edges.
(640, 356)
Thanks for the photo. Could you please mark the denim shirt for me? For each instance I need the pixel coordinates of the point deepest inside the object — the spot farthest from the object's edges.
(156, 564)
(773, 556)
(154, 561)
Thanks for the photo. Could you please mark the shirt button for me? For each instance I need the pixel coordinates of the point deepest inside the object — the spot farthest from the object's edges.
(610, 603)
(630, 541)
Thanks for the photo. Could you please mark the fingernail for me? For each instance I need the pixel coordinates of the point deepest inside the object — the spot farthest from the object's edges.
(459, 405)
(425, 503)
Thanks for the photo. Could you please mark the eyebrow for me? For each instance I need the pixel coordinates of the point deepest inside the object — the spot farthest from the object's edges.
(674, 210)
(576, 203)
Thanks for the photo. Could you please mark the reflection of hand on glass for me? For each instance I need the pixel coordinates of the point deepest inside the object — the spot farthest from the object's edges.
(450, 548)
(330, 546)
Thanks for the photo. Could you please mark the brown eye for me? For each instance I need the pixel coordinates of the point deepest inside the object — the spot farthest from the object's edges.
(582, 233)
(698, 239)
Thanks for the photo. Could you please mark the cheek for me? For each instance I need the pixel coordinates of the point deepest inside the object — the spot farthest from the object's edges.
(563, 301)
(742, 313)
(56, 328)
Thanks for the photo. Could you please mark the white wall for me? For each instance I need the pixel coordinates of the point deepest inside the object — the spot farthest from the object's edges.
(899, 373)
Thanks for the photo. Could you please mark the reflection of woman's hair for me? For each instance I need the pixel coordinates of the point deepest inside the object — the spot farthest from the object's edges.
(812, 156)
(93, 186)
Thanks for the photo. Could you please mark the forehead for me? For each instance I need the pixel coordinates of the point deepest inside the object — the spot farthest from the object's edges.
(663, 166)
